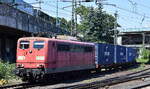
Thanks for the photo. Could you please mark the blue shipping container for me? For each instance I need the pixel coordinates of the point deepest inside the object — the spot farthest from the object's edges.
(121, 54)
(104, 54)
(131, 54)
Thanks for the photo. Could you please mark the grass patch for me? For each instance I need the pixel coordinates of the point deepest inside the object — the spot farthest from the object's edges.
(142, 60)
(141, 67)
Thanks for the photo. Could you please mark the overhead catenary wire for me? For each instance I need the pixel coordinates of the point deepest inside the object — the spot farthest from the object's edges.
(138, 4)
(54, 6)
(127, 10)
(134, 4)
(130, 18)
(145, 6)
(47, 10)
(132, 12)
(58, 7)
(46, 3)
(129, 22)
(143, 17)
(126, 17)
(136, 13)
(135, 19)
(120, 8)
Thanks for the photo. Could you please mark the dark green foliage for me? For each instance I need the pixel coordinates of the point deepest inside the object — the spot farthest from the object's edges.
(96, 25)
(62, 23)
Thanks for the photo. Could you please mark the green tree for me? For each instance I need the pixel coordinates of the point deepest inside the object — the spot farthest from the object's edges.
(63, 23)
(95, 25)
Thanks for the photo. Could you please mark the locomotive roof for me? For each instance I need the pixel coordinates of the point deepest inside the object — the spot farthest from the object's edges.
(51, 39)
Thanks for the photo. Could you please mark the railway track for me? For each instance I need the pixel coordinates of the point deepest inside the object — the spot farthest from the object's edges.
(14, 86)
(112, 81)
(142, 86)
(23, 85)
(92, 85)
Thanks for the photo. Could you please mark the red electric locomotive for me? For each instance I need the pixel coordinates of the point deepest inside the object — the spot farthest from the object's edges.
(38, 56)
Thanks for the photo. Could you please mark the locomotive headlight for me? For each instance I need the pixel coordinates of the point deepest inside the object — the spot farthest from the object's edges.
(21, 58)
(39, 57)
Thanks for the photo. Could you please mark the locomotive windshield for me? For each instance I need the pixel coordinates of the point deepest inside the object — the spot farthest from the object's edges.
(24, 44)
(38, 44)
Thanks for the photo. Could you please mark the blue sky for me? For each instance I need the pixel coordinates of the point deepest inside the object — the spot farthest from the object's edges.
(131, 13)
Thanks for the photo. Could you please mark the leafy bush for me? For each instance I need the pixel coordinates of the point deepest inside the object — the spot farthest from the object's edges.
(144, 56)
(6, 70)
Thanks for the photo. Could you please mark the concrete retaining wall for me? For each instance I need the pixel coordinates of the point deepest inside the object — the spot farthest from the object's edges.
(14, 18)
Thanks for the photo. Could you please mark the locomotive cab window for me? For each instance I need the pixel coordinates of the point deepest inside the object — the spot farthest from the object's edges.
(38, 44)
(24, 44)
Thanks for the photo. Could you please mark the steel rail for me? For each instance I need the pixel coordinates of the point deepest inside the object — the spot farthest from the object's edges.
(107, 82)
(112, 81)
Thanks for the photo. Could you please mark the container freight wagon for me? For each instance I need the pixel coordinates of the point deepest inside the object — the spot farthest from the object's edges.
(131, 55)
(120, 54)
(104, 55)
(108, 56)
